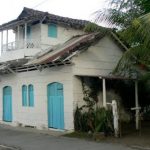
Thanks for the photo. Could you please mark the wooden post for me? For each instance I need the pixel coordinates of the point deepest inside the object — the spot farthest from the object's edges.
(137, 106)
(115, 118)
(25, 35)
(6, 40)
(104, 93)
(18, 37)
(1, 41)
(40, 35)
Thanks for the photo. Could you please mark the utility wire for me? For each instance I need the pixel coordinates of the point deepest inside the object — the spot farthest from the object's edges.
(40, 3)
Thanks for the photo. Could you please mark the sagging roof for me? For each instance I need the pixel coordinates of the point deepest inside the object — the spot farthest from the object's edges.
(33, 16)
(64, 50)
(72, 47)
(59, 54)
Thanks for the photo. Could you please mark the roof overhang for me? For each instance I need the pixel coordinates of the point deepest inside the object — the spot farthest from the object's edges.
(30, 15)
(115, 77)
(109, 77)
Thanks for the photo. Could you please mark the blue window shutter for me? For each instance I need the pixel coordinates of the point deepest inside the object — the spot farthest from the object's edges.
(31, 95)
(28, 32)
(24, 95)
(52, 30)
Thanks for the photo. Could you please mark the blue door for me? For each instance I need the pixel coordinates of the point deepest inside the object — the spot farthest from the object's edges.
(7, 104)
(55, 106)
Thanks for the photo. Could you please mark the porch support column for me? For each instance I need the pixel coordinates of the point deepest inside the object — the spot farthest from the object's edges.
(6, 40)
(25, 35)
(1, 41)
(18, 36)
(40, 35)
(104, 93)
(136, 106)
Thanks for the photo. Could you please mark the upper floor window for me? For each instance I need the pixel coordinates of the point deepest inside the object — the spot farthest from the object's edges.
(28, 32)
(52, 30)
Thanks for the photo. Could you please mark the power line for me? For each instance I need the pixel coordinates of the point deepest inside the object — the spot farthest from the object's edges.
(40, 3)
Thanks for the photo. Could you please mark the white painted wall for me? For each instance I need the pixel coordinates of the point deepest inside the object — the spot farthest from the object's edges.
(63, 34)
(18, 54)
(99, 59)
(77, 92)
(35, 32)
(21, 53)
(39, 34)
(37, 115)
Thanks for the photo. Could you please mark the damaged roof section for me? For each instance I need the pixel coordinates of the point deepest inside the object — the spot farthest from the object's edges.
(59, 54)
(63, 51)
(10, 66)
(34, 16)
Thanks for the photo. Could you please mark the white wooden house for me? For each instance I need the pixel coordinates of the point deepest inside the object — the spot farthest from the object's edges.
(40, 72)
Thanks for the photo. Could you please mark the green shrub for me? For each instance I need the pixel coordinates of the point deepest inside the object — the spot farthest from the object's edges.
(146, 113)
(83, 121)
(103, 121)
(99, 120)
(92, 27)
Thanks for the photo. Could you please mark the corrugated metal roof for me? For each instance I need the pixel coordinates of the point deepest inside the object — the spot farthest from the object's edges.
(66, 49)
(57, 55)
(61, 49)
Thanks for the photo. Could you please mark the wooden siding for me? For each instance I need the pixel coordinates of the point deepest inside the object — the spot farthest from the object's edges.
(99, 59)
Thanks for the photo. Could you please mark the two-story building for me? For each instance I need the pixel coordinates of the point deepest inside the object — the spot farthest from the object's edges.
(40, 71)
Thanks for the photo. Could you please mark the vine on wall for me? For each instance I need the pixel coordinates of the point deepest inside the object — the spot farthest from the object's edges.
(89, 117)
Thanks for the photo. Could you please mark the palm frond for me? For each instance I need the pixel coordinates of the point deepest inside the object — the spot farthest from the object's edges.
(143, 28)
(134, 63)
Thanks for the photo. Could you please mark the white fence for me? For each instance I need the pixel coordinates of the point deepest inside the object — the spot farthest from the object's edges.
(21, 44)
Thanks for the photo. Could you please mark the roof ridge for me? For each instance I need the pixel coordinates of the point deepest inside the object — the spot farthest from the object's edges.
(31, 9)
(32, 15)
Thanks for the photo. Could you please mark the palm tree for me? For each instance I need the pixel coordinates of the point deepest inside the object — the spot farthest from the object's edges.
(137, 58)
(132, 19)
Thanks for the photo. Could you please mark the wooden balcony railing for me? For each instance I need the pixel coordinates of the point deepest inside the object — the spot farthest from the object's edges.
(21, 44)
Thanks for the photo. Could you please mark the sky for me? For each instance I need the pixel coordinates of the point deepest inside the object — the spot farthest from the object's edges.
(78, 9)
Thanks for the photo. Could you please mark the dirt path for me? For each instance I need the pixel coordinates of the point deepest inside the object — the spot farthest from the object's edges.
(131, 137)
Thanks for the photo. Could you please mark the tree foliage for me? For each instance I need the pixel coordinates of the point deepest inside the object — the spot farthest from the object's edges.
(122, 12)
(137, 58)
(132, 18)
(93, 27)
